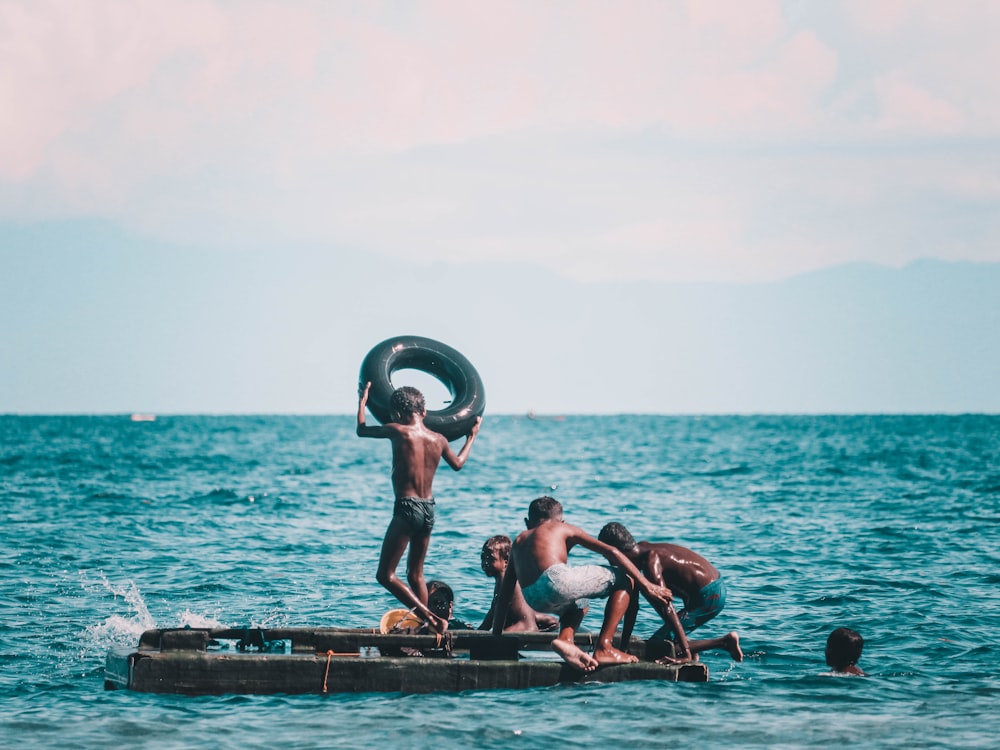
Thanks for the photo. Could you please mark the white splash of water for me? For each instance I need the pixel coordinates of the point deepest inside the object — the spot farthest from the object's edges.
(189, 619)
(273, 619)
(124, 628)
(117, 629)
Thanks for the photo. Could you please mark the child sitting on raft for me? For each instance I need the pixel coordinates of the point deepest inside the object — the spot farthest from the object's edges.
(520, 617)
(416, 452)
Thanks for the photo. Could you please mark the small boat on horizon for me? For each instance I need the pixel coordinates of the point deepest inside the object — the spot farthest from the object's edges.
(139, 417)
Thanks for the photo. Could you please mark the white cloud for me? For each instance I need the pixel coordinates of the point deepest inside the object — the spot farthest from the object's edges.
(453, 130)
(905, 108)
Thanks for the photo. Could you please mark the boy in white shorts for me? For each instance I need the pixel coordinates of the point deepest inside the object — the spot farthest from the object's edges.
(538, 561)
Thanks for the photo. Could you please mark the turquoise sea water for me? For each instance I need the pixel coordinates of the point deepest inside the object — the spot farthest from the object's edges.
(885, 524)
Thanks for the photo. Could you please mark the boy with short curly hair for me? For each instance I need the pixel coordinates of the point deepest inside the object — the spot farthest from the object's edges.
(416, 452)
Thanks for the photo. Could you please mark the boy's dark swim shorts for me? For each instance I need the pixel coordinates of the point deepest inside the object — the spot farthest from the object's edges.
(416, 513)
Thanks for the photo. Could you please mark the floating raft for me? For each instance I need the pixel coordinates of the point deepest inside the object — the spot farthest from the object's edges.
(203, 661)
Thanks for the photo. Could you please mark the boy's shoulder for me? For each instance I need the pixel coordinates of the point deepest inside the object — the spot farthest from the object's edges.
(660, 548)
(524, 535)
(561, 530)
(417, 432)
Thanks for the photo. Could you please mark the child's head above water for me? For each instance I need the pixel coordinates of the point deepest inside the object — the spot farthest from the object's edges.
(405, 402)
(843, 649)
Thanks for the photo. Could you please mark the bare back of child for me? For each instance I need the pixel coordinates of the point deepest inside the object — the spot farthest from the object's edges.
(416, 453)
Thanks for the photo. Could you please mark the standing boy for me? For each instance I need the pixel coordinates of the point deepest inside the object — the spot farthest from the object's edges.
(538, 561)
(416, 452)
(693, 578)
(520, 617)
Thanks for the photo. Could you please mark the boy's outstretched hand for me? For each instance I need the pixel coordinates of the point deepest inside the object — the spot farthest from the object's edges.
(475, 427)
(661, 592)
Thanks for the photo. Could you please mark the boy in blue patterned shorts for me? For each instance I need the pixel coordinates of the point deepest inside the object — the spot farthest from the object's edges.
(690, 576)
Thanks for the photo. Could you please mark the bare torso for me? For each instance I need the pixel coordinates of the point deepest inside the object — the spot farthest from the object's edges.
(538, 549)
(416, 452)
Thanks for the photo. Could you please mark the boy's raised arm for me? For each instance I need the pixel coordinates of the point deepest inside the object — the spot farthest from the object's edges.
(363, 429)
(458, 461)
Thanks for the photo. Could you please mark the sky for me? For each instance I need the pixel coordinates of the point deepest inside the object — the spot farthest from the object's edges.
(677, 142)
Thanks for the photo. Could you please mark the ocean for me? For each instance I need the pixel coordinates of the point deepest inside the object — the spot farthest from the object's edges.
(885, 524)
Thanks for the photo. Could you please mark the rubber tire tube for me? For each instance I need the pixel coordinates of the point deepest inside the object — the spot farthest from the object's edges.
(436, 359)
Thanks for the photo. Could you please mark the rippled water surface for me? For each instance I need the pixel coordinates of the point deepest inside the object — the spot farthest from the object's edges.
(885, 524)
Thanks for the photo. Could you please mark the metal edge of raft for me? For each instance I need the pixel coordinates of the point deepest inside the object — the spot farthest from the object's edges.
(193, 661)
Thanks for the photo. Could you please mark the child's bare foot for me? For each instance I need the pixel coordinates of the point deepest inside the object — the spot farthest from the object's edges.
(733, 645)
(574, 655)
(612, 655)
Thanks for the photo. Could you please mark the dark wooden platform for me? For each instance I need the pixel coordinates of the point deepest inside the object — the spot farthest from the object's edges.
(197, 661)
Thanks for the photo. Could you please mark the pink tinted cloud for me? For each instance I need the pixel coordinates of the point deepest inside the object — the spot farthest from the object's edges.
(358, 76)
(112, 100)
(931, 64)
(59, 61)
(907, 108)
(381, 76)
(65, 66)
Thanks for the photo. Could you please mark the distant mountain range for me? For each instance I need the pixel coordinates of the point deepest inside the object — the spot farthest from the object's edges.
(98, 321)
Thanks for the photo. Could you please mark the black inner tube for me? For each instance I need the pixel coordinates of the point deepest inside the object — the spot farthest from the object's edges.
(439, 360)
